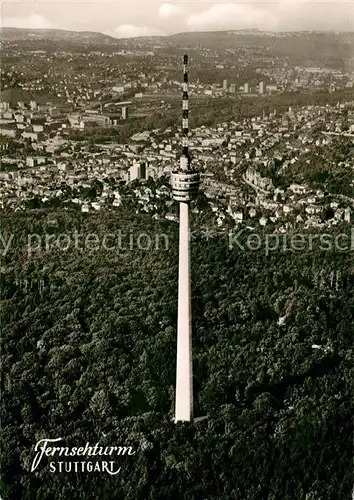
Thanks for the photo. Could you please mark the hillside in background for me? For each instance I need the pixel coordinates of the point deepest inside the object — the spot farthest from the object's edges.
(318, 48)
(326, 49)
(55, 34)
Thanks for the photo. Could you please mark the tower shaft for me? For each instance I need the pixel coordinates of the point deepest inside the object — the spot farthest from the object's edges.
(184, 377)
(185, 184)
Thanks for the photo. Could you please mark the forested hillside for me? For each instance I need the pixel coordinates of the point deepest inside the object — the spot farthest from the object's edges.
(88, 354)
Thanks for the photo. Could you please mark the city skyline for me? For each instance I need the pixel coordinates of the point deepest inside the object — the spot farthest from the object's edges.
(123, 19)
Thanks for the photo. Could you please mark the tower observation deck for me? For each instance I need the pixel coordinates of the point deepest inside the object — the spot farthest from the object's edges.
(185, 185)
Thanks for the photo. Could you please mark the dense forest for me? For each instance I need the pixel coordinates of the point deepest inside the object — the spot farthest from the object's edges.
(88, 354)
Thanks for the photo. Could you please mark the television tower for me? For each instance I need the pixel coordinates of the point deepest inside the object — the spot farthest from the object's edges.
(185, 183)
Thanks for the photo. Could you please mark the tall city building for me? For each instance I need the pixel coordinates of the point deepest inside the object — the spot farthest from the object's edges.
(143, 171)
(185, 183)
(233, 88)
(261, 87)
(124, 113)
(246, 88)
(347, 214)
(136, 171)
(133, 172)
(224, 84)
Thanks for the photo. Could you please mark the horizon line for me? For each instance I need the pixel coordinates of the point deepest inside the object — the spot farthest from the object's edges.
(240, 30)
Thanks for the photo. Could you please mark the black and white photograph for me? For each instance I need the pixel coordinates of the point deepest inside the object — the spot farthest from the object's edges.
(176, 250)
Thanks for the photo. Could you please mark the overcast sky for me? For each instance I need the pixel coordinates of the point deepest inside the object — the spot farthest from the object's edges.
(126, 18)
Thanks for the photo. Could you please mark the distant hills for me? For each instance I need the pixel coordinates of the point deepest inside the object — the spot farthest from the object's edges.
(319, 48)
(257, 36)
(55, 35)
(203, 37)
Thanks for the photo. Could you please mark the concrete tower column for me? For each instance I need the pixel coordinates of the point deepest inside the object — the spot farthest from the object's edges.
(185, 182)
(184, 372)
